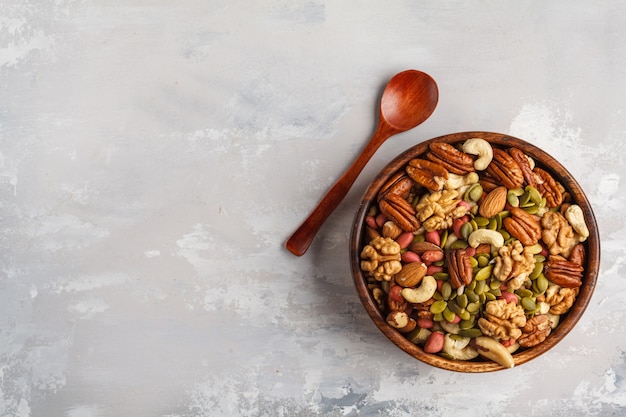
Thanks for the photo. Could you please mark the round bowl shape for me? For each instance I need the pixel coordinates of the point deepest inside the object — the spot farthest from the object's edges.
(359, 239)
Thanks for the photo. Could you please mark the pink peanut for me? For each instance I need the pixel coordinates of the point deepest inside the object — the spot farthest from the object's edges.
(433, 269)
(433, 237)
(509, 297)
(425, 323)
(457, 224)
(395, 293)
(410, 257)
(456, 319)
(434, 343)
(371, 222)
(405, 239)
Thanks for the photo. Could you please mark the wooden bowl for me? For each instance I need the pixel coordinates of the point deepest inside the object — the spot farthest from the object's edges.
(359, 239)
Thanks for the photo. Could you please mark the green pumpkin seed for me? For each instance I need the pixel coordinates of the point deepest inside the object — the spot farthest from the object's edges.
(528, 304)
(459, 244)
(473, 332)
(441, 276)
(466, 230)
(454, 307)
(480, 288)
(500, 217)
(488, 296)
(419, 238)
(474, 262)
(444, 238)
(481, 221)
(473, 307)
(437, 296)
(517, 191)
(467, 324)
(470, 286)
(484, 273)
(531, 209)
(543, 202)
(438, 307)
(542, 283)
(504, 234)
(474, 224)
(474, 193)
(493, 224)
(533, 194)
(524, 293)
(538, 269)
(483, 260)
(446, 290)
(465, 315)
(494, 283)
(540, 258)
(512, 199)
(496, 291)
(461, 300)
(438, 317)
(472, 297)
(448, 315)
(419, 335)
(524, 199)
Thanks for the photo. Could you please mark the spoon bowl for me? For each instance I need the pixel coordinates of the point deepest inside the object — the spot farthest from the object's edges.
(408, 100)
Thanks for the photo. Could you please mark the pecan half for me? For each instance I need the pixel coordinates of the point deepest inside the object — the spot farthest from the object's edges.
(505, 169)
(562, 272)
(427, 173)
(578, 254)
(451, 158)
(398, 184)
(524, 164)
(523, 226)
(400, 211)
(489, 183)
(549, 188)
(459, 267)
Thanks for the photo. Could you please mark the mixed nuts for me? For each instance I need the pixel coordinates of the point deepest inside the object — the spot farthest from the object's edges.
(473, 251)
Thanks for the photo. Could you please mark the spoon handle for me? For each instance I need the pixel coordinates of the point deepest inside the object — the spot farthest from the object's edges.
(301, 239)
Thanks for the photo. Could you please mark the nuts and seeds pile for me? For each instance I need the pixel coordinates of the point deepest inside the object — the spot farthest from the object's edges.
(474, 251)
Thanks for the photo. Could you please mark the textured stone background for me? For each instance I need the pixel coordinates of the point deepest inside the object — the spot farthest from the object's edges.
(155, 155)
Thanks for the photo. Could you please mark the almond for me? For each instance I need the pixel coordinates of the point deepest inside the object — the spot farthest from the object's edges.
(493, 203)
(411, 274)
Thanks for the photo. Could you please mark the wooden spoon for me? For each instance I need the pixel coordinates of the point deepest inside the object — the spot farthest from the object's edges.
(409, 99)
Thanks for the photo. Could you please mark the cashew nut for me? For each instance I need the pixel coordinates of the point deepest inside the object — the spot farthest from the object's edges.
(459, 348)
(493, 237)
(482, 148)
(490, 348)
(455, 181)
(422, 293)
(575, 217)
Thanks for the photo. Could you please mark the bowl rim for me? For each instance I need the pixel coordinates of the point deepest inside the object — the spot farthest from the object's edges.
(547, 162)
